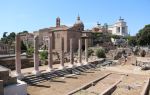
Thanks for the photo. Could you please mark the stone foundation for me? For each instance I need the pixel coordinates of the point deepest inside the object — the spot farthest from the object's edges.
(16, 89)
(7, 79)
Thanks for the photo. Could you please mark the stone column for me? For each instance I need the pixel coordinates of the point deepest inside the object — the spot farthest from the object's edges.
(18, 57)
(86, 50)
(62, 53)
(121, 30)
(80, 52)
(71, 53)
(50, 54)
(36, 56)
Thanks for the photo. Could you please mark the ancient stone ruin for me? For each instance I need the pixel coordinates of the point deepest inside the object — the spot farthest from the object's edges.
(6, 79)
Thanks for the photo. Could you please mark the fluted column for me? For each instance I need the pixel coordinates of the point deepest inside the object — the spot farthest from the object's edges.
(36, 56)
(50, 55)
(86, 50)
(18, 57)
(62, 53)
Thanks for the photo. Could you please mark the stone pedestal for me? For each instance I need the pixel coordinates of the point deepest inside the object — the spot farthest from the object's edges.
(16, 89)
(18, 57)
(36, 56)
(80, 53)
(62, 54)
(86, 51)
(50, 55)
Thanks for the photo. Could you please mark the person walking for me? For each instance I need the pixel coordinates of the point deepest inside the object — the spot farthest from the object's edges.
(125, 56)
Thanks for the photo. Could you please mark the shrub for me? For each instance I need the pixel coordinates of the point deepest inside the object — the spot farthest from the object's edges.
(90, 52)
(23, 46)
(43, 55)
(30, 51)
(100, 53)
(143, 53)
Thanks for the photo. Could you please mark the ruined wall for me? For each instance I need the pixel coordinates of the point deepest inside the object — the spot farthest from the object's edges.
(11, 63)
(75, 36)
(58, 35)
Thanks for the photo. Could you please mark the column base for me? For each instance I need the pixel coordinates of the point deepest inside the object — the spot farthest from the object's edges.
(62, 67)
(19, 76)
(36, 72)
(79, 64)
(50, 70)
(71, 66)
(86, 63)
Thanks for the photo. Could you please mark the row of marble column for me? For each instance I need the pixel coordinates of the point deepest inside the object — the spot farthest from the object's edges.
(36, 70)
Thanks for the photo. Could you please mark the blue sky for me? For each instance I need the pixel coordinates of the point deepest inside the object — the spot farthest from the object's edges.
(32, 15)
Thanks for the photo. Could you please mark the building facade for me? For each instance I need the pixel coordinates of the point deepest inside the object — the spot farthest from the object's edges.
(4, 48)
(75, 32)
(62, 31)
(27, 38)
(119, 28)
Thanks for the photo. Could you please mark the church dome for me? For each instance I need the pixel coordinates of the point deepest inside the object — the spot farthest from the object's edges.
(78, 22)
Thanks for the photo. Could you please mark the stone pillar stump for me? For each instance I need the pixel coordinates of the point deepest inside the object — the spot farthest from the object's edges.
(36, 56)
(86, 50)
(71, 53)
(18, 57)
(50, 55)
(80, 53)
(62, 54)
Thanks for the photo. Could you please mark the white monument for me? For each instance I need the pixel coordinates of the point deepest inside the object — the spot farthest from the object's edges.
(119, 28)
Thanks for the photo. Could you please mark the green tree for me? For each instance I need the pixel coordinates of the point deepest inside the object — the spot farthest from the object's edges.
(132, 40)
(4, 38)
(12, 35)
(143, 36)
(4, 34)
(30, 51)
(23, 46)
(43, 55)
(23, 32)
(8, 39)
(116, 36)
(100, 38)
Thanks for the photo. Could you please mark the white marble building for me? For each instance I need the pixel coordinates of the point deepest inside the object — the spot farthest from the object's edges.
(119, 28)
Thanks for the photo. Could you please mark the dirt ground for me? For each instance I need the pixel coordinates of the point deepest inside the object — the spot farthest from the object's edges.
(62, 86)
(130, 85)
(128, 69)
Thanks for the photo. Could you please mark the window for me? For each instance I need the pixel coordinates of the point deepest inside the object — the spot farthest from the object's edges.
(123, 29)
(118, 29)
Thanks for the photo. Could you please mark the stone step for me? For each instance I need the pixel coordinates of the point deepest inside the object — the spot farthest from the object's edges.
(32, 79)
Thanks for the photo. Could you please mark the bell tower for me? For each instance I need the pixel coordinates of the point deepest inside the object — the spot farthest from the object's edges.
(57, 22)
